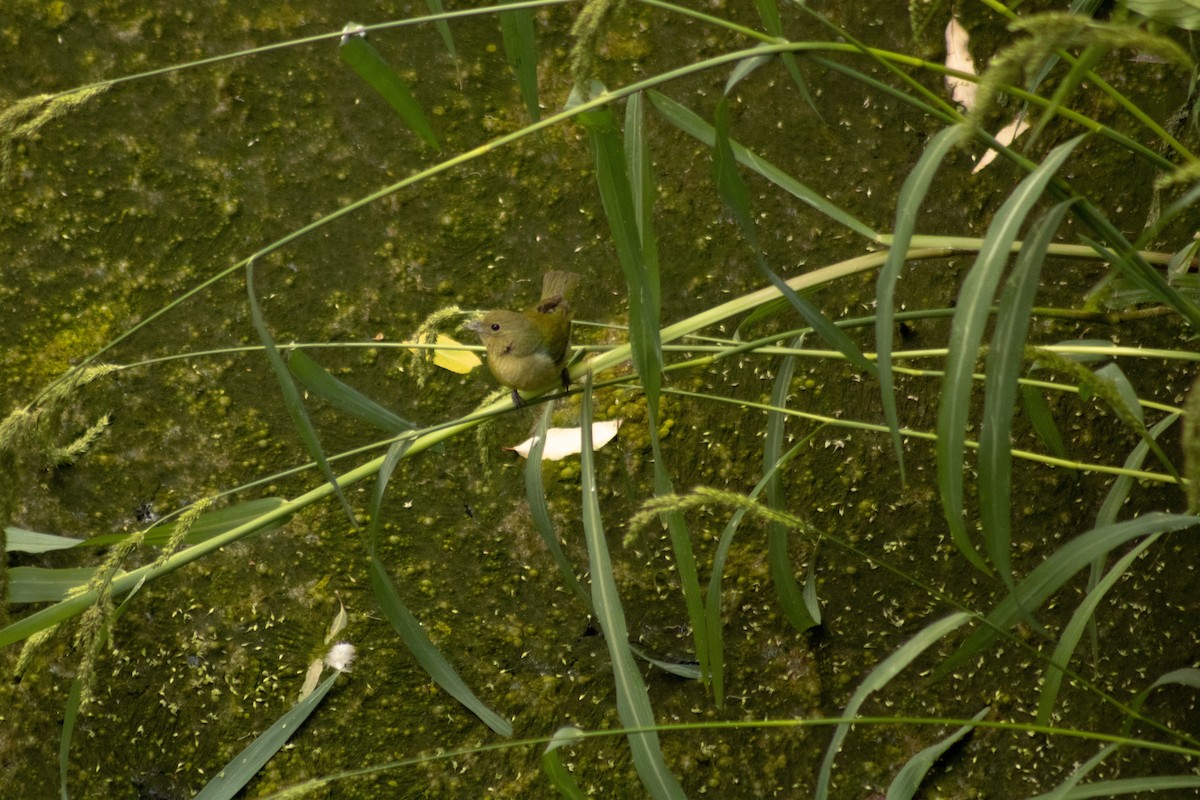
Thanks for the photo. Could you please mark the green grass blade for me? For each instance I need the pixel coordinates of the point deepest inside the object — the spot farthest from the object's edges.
(70, 715)
(346, 398)
(790, 595)
(633, 700)
(768, 12)
(1068, 640)
(366, 61)
(1049, 576)
(46, 584)
(19, 540)
(555, 770)
(691, 124)
(879, 677)
(443, 28)
(1140, 787)
(424, 650)
(1188, 676)
(535, 494)
(908, 780)
(291, 395)
(966, 331)
(1084, 769)
(246, 764)
(1005, 358)
(912, 197)
(1042, 420)
(736, 197)
(520, 47)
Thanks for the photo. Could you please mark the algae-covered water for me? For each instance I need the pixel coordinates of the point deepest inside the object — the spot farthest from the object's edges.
(158, 185)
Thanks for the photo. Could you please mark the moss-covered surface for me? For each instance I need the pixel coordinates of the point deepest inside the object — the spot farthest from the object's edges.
(115, 210)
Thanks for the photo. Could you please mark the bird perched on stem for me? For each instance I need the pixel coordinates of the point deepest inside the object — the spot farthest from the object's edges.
(527, 350)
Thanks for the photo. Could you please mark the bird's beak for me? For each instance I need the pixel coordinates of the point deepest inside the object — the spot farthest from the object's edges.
(475, 325)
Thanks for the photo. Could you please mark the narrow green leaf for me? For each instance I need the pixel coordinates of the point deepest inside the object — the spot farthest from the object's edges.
(1064, 789)
(365, 60)
(1139, 787)
(691, 124)
(966, 331)
(1005, 358)
(46, 585)
(908, 780)
(552, 765)
(791, 597)
(520, 47)
(633, 700)
(879, 677)
(768, 12)
(318, 381)
(1068, 640)
(1187, 676)
(443, 28)
(1049, 576)
(246, 764)
(19, 540)
(736, 197)
(912, 197)
(1042, 420)
(680, 669)
(535, 494)
(70, 715)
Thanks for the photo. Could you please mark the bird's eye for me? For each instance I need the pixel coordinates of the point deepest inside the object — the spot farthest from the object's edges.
(495, 326)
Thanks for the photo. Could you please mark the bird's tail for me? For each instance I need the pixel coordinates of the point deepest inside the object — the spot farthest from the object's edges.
(559, 284)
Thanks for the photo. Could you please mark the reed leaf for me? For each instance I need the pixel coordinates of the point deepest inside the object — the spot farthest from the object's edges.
(1005, 359)
(317, 380)
(520, 48)
(366, 61)
(966, 331)
(553, 767)
(908, 780)
(633, 700)
(878, 678)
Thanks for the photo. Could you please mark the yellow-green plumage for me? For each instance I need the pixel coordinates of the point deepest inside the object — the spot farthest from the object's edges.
(527, 350)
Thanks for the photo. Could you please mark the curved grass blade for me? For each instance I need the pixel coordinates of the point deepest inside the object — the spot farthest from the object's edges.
(879, 677)
(688, 122)
(344, 397)
(912, 196)
(70, 715)
(736, 197)
(443, 28)
(552, 765)
(1037, 410)
(246, 764)
(19, 540)
(1063, 789)
(407, 625)
(365, 60)
(966, 331)
(1073, 632)
(291, 395)
(1049, 576)
(1139, 787)
(1188, 676)
(768, 12)
(47, 584)
(520, 48)
(535, 494)
(908, 780)
(1003, 366)
(207, 525)
(633, 700)
(791, 597)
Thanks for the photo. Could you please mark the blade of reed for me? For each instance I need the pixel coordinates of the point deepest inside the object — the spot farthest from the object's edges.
(1126, 406)
(345, 398)
(680, 669)
(1063, 789)
(46, 584)
(633, 700)
(712, 611)
(552, 765)
(397, 613)
(787, 589)
(19, 540)
(768, 12)
(966, 331)
(1084, 615)
(366, 61)
(1042, 420)
(1122, 786)
(207, 525)
(70, 715)
(291, 395)
(443, 28)
(520, 48)
(246, 764)
(737, 199)
(691, 124)
(535, 494)
(1049, 576)
(879, 677)
(1188, 676)
(1005, 358)
(908, 780)
(912, 196)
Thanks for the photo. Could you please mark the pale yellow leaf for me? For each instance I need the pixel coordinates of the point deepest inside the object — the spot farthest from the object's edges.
(312, 678)
(958, 58)
(339, 622)
(1006, 136)
(563, 442)
(453, 359)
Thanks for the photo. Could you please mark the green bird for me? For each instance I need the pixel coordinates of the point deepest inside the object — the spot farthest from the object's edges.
(527, 350)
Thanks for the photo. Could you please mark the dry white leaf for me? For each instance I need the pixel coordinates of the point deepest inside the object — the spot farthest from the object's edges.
(1006, 136)
(958, 58)
(563, 442)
